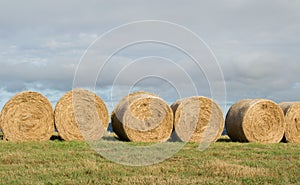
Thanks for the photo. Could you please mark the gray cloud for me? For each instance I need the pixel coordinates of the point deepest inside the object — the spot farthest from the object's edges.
(256, 44)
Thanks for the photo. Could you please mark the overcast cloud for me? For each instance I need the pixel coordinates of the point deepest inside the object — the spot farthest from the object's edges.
(256, 43)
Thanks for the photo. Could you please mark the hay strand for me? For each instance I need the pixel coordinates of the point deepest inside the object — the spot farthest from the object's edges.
(197, 119)
(81, 115)
(292, 120)
(257, 120)
(142, 117)
(27, 116)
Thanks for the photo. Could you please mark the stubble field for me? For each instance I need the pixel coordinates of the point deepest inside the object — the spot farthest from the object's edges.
(224, 162)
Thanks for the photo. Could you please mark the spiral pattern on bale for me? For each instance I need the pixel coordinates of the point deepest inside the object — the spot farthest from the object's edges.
(27, 116)
(292, 120)
(257, 120)
(81, 115)
(197, 119)
(142, 117)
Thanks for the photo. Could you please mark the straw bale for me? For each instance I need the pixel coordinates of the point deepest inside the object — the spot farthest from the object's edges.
(197, 119)
(27, 116)
(257, 120)
(81, 115)
(292, 120)
(142, 117)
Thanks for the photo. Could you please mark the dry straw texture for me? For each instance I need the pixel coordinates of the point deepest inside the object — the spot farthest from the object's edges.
(292, 120)
(81, 115)
(28, 116)
(197, 119)
(142, 117)
(256, 120)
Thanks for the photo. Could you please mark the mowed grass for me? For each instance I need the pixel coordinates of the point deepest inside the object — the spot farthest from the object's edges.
(60, 162)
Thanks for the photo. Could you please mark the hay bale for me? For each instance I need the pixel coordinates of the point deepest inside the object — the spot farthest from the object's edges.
(197, 119)
(142, 117)
(81, 115)
(257, 120)
(292, 120)
(27, 116)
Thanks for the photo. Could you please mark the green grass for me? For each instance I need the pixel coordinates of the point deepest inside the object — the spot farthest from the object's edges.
(59, 162)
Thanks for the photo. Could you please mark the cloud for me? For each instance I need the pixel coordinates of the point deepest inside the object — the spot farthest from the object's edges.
(256, 44)
(262, 75)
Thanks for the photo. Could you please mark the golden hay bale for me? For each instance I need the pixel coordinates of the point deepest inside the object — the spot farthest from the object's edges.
(81, 115)
(292, 120)
(197, 119)
(142, 117)
(27, 116)
(257, 120)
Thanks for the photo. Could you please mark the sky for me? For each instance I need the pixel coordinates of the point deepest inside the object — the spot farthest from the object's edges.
(248, 48)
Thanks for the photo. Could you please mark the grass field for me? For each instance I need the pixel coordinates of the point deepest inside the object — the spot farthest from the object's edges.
(60, 162)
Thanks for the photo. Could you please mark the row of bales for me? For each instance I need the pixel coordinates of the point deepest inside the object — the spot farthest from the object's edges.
(145, 117)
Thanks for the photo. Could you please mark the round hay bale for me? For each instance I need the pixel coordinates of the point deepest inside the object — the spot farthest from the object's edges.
(81, 115)
(142, 117)
(257, 120)
(197, 119)
(27, 116)
(292, 120)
